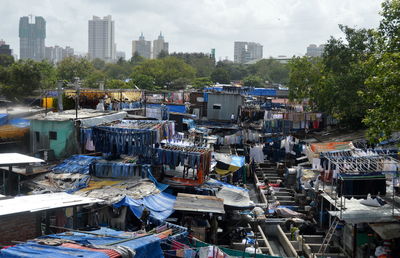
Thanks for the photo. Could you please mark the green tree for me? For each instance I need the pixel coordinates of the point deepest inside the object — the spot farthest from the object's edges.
(382, 94)
(333, 85)
(93, 79)
(162, 54)
(253, 81)
(72, 67)
(117, 84)
(164, 72)
(220, 75)
(24, 78)
(143, 81)
(136, 59)
(203, 63)
(98, 63)
(6, 60)
(270, 70)
(201, 82)
(304, 76)
(344, 75)
(389, 30)
(48, 75)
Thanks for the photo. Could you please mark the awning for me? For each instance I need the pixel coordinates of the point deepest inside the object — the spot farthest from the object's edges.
(39, 202)
(386, 231)
(199, 203)
(228, 163)
(234, 197)
(17, 159)
(94, 121)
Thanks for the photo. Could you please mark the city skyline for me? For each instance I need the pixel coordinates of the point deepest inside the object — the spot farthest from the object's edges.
(282, 28)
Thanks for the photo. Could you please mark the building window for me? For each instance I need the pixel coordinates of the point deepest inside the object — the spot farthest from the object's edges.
(217, 106)
(37, 136)
(53, 135)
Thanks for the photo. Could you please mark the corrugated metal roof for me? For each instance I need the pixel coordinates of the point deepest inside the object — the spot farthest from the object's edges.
(17, 158)
(199, 203)
(39, 202)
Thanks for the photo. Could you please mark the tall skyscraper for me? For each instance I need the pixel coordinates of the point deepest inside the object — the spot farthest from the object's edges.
(247, 51)
(142, 47)
(32, 38)
(159, 45)
(102, 39)
(314, 50)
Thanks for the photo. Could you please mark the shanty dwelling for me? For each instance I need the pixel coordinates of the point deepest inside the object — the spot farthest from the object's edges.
(56, 135)
(221, 106)
(20, 217)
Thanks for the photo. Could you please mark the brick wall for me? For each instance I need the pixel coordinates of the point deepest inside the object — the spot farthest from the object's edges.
(19, 227)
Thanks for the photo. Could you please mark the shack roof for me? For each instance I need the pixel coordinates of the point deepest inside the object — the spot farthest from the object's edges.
(17, 159)
(199, 203)
(356, 212)
(83, 114)
(40, 202)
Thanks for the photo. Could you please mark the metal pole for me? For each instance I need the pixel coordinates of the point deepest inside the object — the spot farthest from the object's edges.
(59, 97)
(76, 96)
(145, 103)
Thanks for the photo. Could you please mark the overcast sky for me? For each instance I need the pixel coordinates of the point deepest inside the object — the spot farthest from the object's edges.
(283, 27)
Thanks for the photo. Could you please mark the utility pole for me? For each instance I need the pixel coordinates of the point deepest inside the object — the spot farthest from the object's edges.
(59, 96)
(77, 88)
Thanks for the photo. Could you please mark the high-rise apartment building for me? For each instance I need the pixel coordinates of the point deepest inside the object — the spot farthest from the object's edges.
(159, 45)
(247, 51)
(314, 50)
(142, 47)
(57, 54)
(5, 48)
(102, 39)
(32, 38)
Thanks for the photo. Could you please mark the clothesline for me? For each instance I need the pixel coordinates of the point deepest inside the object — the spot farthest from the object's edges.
(361, 161)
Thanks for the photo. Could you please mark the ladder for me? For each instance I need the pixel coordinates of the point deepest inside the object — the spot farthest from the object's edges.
(328, 236)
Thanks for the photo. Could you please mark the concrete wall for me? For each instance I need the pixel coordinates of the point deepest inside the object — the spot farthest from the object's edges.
(19, 227)
(229, 104)
(66, 143)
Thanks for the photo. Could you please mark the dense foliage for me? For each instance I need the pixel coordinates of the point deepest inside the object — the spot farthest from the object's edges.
(357, 78)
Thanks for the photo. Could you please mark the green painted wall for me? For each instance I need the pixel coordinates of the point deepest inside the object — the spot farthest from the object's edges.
(66, 143)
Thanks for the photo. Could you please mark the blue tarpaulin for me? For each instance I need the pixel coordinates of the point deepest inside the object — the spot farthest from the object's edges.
(170, 108)
(190, 122)
(262, 92)
(3, 119)
(20, 122)
(161, 205)
(33, 249)
(205, 97)
(76, 164)
(148, 246)
(125, 170)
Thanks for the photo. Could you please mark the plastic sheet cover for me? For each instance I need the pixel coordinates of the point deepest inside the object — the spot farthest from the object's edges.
(262, 92)
(148, 246)
(75, 164)
(32, 249)
(20, 122)
(161, 205)
(3, 119)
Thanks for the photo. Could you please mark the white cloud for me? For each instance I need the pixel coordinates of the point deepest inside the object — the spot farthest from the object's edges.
(283, 27)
